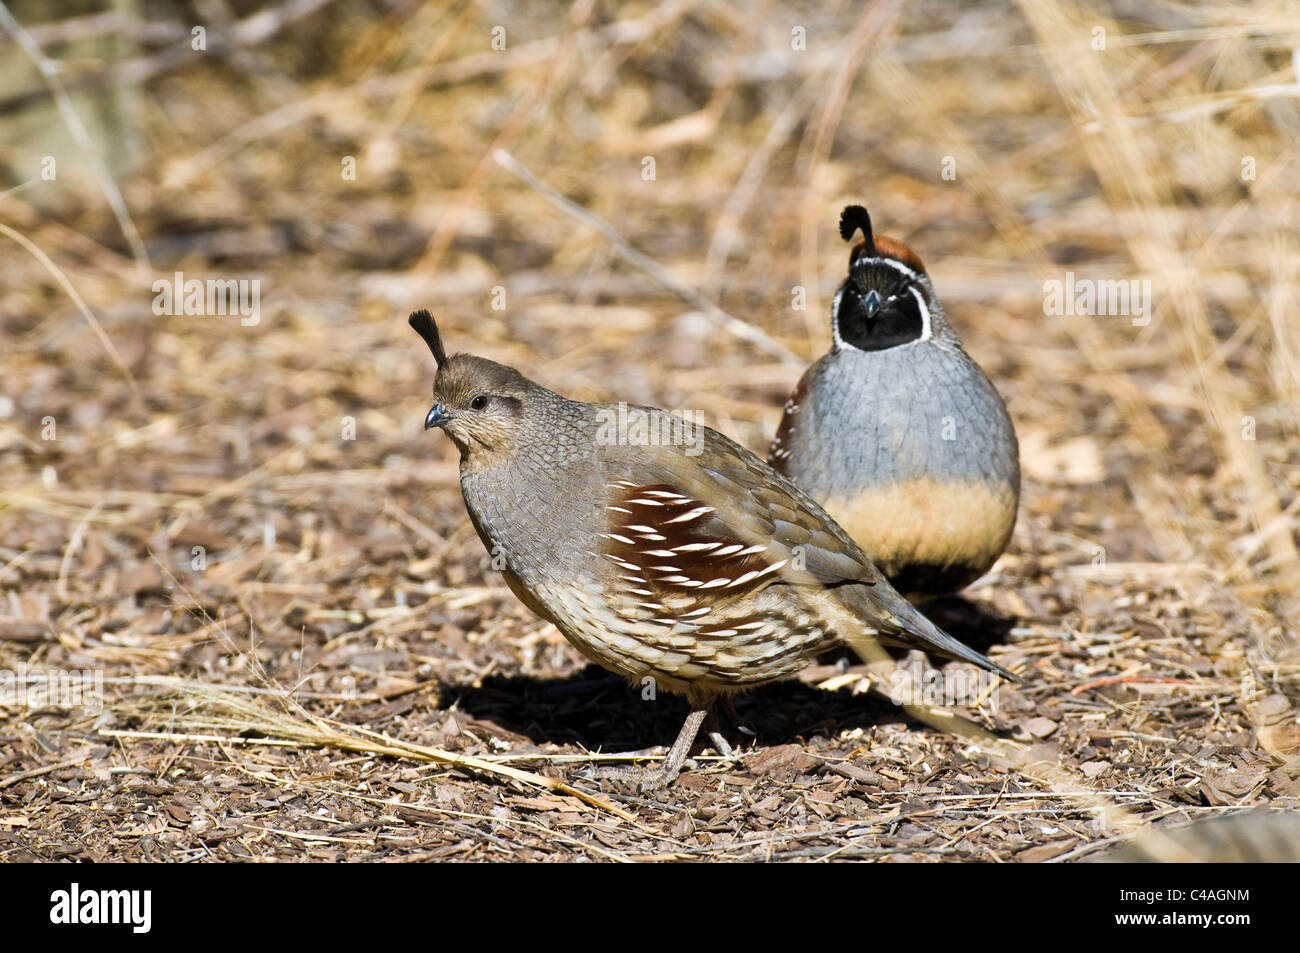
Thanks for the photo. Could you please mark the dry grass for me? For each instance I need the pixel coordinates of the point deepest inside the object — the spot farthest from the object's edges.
(302, 692)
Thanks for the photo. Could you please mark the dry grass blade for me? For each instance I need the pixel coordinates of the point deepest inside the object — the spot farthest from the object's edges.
(71, 292)
(197, 707)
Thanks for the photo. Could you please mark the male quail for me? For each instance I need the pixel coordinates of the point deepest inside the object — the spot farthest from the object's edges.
(897, 432)
(686, 560)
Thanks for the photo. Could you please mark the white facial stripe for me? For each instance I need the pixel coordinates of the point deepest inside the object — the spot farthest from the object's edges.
(925, 313)
(891, 262)
(835, 320)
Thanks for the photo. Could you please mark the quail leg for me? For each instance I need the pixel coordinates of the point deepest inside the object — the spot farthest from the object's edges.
(721, 745)
(653, 779)
(667, 772)
(729, 710)
(713, 726)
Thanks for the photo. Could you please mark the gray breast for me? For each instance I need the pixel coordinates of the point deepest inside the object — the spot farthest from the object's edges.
(535, 516)
(920, 410)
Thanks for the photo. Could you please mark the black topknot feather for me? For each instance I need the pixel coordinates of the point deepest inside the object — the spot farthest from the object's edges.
(855, 217)
(424, 325)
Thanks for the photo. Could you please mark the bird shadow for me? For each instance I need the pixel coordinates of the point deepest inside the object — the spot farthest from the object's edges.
(596, 710)
(599, 711)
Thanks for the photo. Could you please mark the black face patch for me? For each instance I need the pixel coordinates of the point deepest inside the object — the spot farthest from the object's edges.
(877, 309)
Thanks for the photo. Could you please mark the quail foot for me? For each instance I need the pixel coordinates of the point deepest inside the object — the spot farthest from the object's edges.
(663, 550)
(897, 432)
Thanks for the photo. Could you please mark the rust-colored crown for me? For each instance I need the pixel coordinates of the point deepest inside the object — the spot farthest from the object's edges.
(892, 248)
(855, 218)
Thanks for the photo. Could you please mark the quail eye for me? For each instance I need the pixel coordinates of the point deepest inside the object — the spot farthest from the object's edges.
(479, 402)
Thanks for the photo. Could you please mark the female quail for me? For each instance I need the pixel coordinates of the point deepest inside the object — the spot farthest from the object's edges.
(897, 432)
(670, 552)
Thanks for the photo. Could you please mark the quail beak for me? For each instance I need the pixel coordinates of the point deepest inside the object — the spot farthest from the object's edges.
(438, 416)
(871, 303)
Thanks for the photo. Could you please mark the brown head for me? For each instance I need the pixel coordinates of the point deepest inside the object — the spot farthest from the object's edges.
(886, 301)
(481, 405)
